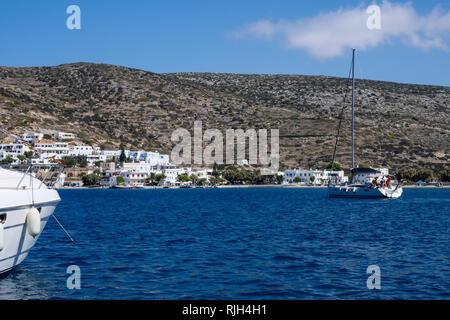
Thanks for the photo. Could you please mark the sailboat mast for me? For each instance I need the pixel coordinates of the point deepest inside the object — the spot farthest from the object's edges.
(353, 109)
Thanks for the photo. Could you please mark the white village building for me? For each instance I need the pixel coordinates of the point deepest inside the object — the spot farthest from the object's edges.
(136, 179)
(84, 151)
(50, 148)
(93, 158)
(141, 167)
(64, 135)
(113, 154)
(31, 136)
(153, 158)
(314, 177)
(12, 150)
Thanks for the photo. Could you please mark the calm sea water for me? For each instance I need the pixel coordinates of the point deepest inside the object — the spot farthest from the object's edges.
(239, 244)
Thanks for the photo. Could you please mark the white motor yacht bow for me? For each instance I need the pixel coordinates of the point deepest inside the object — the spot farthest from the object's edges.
(26, 204)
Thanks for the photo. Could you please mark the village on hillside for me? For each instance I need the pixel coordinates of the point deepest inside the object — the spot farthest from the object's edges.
(120, 168)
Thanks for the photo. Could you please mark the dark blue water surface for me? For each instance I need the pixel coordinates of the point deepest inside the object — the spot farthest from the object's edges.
(240, 244)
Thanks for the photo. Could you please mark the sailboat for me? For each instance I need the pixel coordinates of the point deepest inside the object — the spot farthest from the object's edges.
(366, 182)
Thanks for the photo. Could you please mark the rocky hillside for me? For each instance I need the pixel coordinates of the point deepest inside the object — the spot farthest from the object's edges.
(396, 124)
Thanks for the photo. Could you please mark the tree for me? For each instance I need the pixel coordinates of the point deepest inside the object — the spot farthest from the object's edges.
(83, 162)
(413, 175)
(194, 178)
(151, 179)
(297, 179)
(119, 180)
(312, 179)
(232, 175)
(215, 172)
(406, 174)
(336, 166)
(29, 154)
(159, 178)
(122, 156)
(91, 179)
(279, 178)
(215, 181)
(426, 175)
(70, 161)
(183, 178)
(7, 160)
(444, 175)
(155, 179)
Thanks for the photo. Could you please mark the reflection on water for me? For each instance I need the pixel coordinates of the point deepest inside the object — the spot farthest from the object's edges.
(23, 284)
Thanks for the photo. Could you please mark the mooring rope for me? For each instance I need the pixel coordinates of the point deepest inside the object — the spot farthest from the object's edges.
(59, 223)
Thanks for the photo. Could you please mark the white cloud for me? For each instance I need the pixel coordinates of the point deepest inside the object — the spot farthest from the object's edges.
(328, 35)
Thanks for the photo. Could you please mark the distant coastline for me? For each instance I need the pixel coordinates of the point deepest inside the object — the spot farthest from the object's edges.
(246, 186)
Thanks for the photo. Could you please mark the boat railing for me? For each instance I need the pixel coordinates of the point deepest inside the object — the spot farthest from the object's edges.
(49, 174)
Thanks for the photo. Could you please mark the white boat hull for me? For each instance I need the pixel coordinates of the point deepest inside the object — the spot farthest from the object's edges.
(349, 191)
(15, 205)
(18, 242)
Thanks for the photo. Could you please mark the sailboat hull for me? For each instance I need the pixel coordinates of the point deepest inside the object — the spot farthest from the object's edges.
(349, 191)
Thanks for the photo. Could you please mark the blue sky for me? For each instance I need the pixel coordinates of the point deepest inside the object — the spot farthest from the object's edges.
(214, 36)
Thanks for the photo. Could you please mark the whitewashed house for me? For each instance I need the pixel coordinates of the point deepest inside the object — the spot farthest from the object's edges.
(141, 167)
(156, 158)
(114, 154)
(50, 148)
(242, 162)
(93, 158)
(153, 158)
(64, 135)
(12, 150)
(107, 166)
(135, 156)
(172, 173)
(31, 136)
(313, 177)
(202, 173)
(108, 181)
(81, 151)
(134, 178)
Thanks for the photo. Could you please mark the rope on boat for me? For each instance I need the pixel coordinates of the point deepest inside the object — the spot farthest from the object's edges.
(59, 223)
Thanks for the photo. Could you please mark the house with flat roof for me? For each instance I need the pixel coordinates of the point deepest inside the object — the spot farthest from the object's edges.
(31, 136)
(64, 135)
(313, 177)
(50, 148)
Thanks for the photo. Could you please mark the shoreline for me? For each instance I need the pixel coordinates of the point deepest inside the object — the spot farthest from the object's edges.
(244, 186)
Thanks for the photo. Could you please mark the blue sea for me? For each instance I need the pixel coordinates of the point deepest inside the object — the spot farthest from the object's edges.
(252, 243)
